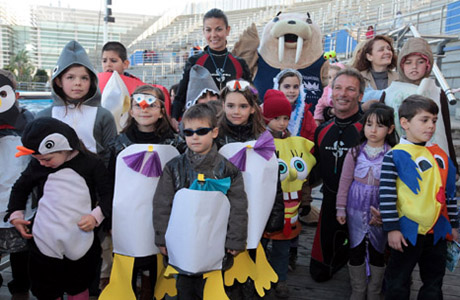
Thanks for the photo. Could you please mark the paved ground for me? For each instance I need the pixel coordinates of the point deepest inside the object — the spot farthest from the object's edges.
(301, 285)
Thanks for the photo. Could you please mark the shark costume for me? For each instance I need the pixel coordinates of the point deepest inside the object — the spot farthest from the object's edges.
(63, 258)
(223, 67)
(94, 124)
(200, 83)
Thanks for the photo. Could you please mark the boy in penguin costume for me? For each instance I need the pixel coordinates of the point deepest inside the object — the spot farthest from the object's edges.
(75, 195)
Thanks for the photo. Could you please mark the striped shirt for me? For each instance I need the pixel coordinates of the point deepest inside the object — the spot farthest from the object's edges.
(388, 196)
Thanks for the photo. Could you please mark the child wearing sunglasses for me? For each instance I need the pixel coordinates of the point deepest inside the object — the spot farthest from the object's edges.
(200, 158)
(147, 123)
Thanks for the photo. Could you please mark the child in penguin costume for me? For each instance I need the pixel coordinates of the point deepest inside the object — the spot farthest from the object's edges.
(75, 195)
(13, 119)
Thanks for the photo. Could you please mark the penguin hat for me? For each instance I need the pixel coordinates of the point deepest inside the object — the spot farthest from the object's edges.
(47, 135)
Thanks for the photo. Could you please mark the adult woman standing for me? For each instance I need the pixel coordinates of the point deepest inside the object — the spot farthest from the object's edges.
(215, 57)
(376, 62)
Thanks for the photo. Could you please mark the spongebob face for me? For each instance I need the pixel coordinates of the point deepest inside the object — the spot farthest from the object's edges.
(295, 162)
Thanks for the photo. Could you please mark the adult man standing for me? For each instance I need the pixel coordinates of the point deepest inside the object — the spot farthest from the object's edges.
(333, 140)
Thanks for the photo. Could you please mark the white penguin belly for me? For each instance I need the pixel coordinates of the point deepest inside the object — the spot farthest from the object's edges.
(65, 200)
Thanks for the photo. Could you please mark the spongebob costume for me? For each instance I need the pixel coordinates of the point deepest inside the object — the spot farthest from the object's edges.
(295, 163)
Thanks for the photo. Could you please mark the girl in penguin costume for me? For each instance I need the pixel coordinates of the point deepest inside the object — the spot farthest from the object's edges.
(147, 126)
(75, 195)
(77, 100)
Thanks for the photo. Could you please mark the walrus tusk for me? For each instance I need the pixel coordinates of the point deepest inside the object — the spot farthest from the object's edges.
(281, 48)
(299, 49)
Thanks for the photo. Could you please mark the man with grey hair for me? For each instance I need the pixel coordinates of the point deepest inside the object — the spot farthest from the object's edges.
(333, 139)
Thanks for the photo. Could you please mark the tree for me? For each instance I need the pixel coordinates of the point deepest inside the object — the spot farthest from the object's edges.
(21, 66)
(40, 76)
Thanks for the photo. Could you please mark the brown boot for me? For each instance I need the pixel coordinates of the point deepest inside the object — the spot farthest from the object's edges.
(358, 281)
(146, 288)
(374, 287)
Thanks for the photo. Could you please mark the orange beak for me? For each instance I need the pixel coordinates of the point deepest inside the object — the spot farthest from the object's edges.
(143, 104)
(23, 151)
(237, 86)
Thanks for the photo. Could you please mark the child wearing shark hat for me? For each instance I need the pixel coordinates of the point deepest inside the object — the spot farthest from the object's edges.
(64, 249)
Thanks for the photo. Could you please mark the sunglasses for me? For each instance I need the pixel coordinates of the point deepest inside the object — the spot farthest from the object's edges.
(200, 131)
(238, 85)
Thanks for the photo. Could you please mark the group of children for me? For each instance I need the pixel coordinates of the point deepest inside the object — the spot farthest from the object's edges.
(74, 142)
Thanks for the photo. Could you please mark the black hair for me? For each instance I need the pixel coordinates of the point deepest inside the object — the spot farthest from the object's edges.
(352, 72)
(117, 47)
(415, 104)
(201, 111)
(384, 115)
(216, 13)
(175, 88)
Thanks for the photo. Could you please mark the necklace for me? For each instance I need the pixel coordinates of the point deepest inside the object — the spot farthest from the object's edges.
(219, 71)
(373, 152)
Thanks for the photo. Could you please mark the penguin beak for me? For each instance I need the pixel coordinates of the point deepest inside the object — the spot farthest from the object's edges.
(143, 104)
(23, 151)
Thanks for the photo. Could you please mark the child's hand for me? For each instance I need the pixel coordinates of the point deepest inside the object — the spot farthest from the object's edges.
(342, 220)
(376, 218)
(396, 240)
(87, 223)
(163, 250)
(21, 226)
(233, 252)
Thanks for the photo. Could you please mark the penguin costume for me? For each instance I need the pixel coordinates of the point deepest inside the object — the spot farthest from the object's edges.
(64, 250)
(94, 124)
(13, 119)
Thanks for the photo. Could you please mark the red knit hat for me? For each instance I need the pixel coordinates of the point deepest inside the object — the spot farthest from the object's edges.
(275, 104)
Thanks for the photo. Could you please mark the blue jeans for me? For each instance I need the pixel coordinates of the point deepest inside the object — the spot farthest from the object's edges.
(279, 256)
(432, 263)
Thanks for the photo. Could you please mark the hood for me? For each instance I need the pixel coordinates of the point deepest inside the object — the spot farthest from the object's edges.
(414, 45)
(276, 80)
(200, 82)
(74, 54)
